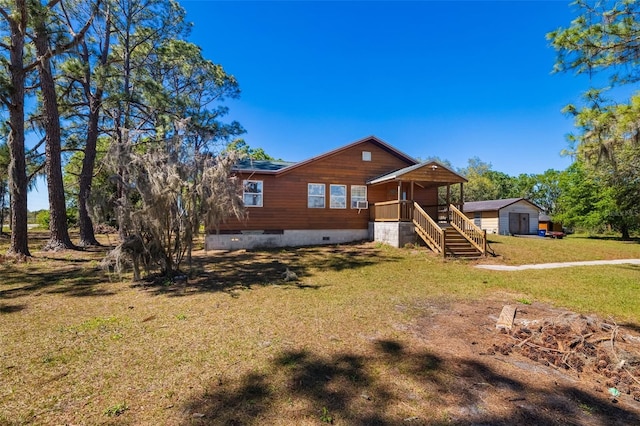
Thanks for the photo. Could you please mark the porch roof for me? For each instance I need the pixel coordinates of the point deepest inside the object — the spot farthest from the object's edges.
(431, 171)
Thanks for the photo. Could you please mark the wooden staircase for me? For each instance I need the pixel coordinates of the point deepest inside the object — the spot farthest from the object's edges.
(456, 245)
(460, 238)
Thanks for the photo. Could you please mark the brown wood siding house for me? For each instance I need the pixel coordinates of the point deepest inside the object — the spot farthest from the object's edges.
(316, 201)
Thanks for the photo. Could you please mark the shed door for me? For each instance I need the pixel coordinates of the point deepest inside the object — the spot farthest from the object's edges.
(518, 223)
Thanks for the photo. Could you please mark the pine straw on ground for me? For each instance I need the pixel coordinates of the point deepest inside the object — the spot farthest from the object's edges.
(512, 378)
(601, 350)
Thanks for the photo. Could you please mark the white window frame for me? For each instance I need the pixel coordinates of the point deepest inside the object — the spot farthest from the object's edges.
(337, 200)
(258, 197)
(313, 194)
(356, 198)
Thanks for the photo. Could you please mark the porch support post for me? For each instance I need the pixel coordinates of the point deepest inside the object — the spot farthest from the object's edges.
(412, 199)
(461, 206)
(399, 200)
(448, 201)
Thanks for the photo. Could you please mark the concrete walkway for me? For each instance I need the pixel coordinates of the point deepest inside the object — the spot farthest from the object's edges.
(559, 265)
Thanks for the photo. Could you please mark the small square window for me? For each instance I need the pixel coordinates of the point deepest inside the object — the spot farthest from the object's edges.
(366, 156)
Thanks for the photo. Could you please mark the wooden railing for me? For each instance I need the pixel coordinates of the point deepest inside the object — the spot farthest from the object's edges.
(438, 212)
(428, 229)
(392, 211)
(468, 229)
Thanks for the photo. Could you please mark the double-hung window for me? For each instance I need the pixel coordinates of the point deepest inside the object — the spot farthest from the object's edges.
(338, 196)
(358, 196)
(252, 193)
(316, 195)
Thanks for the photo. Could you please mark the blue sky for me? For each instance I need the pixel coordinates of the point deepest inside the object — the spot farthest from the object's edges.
(452, 79)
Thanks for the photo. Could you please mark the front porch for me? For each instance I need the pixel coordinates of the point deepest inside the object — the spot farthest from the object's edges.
(401, 222)
(437, 220)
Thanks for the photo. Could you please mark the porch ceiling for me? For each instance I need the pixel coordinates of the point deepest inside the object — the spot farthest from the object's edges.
(429, 172)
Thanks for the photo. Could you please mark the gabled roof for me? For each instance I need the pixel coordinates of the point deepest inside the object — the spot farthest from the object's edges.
(493, 205)
(281, 167)
(336, 151)
(431, 171)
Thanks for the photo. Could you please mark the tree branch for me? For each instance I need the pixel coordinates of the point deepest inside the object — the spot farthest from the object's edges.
(5, 15)
(76, 39)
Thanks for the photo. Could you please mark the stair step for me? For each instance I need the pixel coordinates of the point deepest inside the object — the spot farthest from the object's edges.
(463, 252)
(456, 245)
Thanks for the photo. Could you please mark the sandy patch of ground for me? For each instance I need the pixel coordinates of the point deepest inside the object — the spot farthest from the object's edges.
(553, 367)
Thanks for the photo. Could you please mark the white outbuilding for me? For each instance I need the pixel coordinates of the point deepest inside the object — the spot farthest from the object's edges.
(511, 216)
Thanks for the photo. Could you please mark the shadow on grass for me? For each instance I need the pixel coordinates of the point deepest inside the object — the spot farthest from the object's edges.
(391, 385)
(241, 270)
(70, 282)
(631, 267)
(609, 238)
(10, 309)
(631, 326)
(67, 272)
(67, 260)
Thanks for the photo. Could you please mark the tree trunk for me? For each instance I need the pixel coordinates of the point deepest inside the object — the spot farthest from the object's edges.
(94, 99)
(87, 235)
(59, 238)
(624, 230)
(17, 166)
(3, 194)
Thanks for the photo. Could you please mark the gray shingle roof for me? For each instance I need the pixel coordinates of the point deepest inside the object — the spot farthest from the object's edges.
(492, 205)
(261, 165)
(544, 218)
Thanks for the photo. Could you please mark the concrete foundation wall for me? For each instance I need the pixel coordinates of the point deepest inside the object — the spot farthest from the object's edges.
(396, 234)
(290, 238)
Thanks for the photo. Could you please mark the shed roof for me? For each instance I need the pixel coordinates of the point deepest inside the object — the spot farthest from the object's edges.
(493, 205)
(544, 218)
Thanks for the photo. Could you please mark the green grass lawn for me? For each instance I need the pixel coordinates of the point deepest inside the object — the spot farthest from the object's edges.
(525, 250)
(237, 345)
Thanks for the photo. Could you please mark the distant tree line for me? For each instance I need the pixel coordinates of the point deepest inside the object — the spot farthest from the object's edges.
(600, 191)
(577, 197)
(488, 184)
